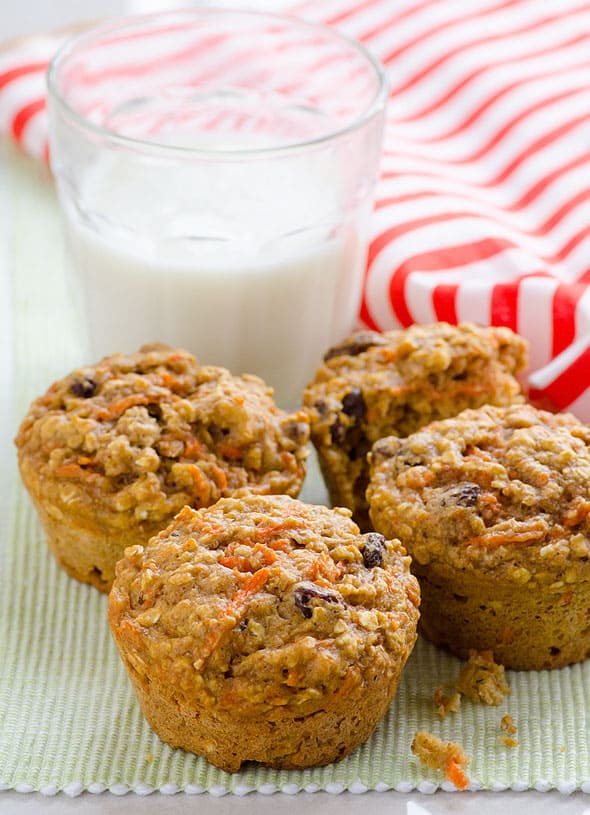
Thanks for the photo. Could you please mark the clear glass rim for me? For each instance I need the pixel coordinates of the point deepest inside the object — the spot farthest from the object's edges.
(373, 108)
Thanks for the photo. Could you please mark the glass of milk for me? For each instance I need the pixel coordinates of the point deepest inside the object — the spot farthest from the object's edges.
(216, 170)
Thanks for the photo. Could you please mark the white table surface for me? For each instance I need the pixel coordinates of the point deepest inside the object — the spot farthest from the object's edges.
(26, 16)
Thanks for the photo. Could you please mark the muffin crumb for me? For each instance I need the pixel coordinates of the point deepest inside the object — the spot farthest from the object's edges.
(447, 756)
(446, 704)
(507, 724)
(508, 741)
(482, 679)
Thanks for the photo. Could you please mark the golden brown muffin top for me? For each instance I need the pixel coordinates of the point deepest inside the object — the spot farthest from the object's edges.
(504, 488)
(263, 603)
(138, 436)
(397, 381)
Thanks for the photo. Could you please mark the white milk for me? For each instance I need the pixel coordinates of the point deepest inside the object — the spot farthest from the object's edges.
(200, 264)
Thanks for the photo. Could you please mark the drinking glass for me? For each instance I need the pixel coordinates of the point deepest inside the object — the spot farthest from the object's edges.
(215, 171)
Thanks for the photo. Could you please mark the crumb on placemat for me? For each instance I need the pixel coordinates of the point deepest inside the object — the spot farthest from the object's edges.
(446, 704)
(507, 724)
(447, 756)
(482, 679)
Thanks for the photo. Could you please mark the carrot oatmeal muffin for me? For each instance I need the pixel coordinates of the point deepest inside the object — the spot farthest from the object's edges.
(113, 451)
(264, 629)
(375, 385)
(494, 508)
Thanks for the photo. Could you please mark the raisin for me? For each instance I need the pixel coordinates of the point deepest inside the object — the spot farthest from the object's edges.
(321, 407)
(217, 433)
(355, 345)
(84, 388)
(155, 411)
(466, 495)
(355, 453)
(337, 432)
(353, 404)
(410, 460)
(296, 431)
(373, 550)
(383, 448)
(304, 594)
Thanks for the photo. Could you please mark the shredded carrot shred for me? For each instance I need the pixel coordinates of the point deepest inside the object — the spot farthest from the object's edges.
(240, 564)
(477, 452)
(419, 477)
(230, 451)
(70, 470)
(388, 355)
(245, 564)
(235, 609)
(169, 381)
(267, 553)
(201, 486)
(294, 676)
(499, 538)
(114, 410)
(280, 545)
(324, 566)
(219, 477)
(580, 513)
(286, 459)
(251, 586)
(456, 774)
(193, 448)
(263, 533)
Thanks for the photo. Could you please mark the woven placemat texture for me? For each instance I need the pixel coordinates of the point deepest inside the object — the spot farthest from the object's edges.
(68, 717)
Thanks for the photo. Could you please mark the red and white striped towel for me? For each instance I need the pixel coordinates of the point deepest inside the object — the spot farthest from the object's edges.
(483, 206)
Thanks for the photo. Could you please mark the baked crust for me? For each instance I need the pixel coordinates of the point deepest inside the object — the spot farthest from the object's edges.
(375, 385)
(264, 629)
(494, 507)
(111, 452)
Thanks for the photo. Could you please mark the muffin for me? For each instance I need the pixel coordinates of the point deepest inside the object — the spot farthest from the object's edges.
(113, 451)
(493, 505)
(375, 385)
(264, 629)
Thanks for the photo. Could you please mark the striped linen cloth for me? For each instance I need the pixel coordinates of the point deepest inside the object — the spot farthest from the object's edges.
(483, 204)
